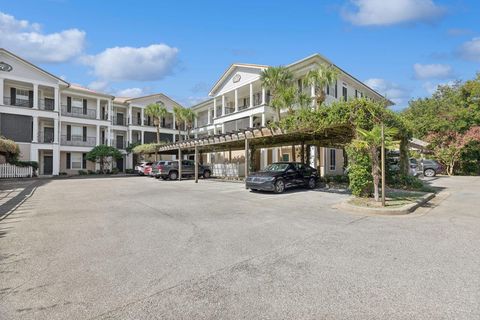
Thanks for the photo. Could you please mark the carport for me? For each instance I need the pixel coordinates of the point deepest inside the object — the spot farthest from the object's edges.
(253, 138)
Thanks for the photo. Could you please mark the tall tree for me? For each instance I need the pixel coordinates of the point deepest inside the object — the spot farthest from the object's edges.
(320, 78)
(179, 113)
(104, 155)
(275, 79)
(157, 111)
(189, 118)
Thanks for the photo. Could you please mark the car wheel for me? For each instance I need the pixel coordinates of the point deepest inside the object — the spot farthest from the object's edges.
(206, 174)
(279, 186)
(164, 178)
(429, 173)
(173, 175)
(311, 183)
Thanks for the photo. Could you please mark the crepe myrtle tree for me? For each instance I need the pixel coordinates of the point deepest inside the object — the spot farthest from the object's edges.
(104, 155)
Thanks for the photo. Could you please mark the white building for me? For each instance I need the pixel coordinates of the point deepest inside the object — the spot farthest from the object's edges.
(238, 101)
(56, 123)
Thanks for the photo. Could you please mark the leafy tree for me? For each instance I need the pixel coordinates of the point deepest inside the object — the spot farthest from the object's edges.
(179, 119)
(320, 78)
(104, 155)
(276, 79)
(189, 118)
(157, 111)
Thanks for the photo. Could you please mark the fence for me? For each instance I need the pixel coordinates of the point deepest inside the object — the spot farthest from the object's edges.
(12, 171)
(231, 170)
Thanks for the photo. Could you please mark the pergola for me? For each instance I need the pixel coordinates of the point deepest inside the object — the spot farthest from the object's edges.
(262, 137)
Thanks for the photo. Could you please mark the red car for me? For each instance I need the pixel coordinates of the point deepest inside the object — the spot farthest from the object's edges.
(147, 169)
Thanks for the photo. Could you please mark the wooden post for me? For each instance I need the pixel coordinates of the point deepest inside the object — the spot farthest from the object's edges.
(179, 164)
(196, 164)
(246, 158)
(383, 166)
(302, 156)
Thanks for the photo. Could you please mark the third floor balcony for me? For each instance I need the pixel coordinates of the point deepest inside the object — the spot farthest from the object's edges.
(79, 112)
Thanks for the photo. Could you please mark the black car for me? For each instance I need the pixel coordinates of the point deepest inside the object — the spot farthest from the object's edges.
(281, 175)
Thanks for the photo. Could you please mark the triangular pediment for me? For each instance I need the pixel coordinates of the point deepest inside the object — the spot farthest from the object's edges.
(236, 76)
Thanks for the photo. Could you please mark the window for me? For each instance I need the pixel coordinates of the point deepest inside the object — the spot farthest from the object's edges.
(76, 160)
(77, 133)
(22, 94)
(285, 157)
(344, 92)
(77, 103)
(333, 156)
(300, 85)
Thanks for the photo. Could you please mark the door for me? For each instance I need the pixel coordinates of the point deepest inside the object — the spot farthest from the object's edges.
(47, 165)
(119, 119)
(47, 135)
(120, 142)
(188, 167)
(120, 165)
(291, 175)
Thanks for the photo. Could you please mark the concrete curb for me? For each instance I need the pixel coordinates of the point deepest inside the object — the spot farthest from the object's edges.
(406, 209)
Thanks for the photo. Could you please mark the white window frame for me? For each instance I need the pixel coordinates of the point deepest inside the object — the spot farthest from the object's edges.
(332, 165)
(286, 156)
(77, 103)
(76, 155)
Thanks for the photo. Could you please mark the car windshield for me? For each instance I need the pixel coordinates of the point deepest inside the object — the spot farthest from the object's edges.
(276, 167)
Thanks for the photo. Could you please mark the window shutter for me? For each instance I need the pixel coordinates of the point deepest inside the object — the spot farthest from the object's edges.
(69, 132)
(84, 106)
(68, 160)
(69, 104)
(84, 161)
(13, 96)
(84, 133)
(336, 94)
(30, 99)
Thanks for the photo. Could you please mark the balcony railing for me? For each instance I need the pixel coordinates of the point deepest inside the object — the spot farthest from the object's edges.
(45, 138)
(136, 121)
(18, 102)
(79, 112)
(119, 144)
(79, 141)
(119, 121)
(46, 104)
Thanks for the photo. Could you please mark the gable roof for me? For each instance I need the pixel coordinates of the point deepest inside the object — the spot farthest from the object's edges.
(34, 66)
(160, 95)
(230, 69)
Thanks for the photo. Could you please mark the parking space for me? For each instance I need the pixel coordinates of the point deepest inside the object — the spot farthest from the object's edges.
(140, 248)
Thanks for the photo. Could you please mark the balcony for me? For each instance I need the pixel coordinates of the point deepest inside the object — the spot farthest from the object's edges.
(119, 121)
(119, 144)
(45, 137)
(18, 102)
(79, 141)
(79, 112)
(136, 121)
(46, 104)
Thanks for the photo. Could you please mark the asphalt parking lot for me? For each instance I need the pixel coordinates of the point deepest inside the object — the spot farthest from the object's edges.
(138, 248)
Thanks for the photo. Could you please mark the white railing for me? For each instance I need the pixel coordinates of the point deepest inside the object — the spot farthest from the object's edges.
(232, 170)
(12, 171)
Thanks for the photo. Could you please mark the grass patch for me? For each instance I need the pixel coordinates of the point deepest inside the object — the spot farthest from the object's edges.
(393, 198)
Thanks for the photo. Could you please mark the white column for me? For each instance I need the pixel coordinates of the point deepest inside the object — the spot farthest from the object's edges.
(35, 129)
(1, 91)
(56, 160)
(250, 122)
(195, 122)
(142, 117)
(55, 130)
(142, 140)
(251, 95)
(223, 104)
(174, 124)
(263, 119)
(236, 100)
(130, 120)
(275, 152)
(313, 156)
(174, 137)
(312, 95)
(97, 142)
(57, 99)
(263, 158)
(98, 109)
(110, 110)
(35, 96)
(214, 107)
(109, 140)
(263, 96)
(209, 116)
(129, 136)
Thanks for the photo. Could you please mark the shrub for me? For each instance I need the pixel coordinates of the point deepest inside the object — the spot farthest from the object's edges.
(115, 171)
(33, 164)
(91, 172)
(359, 173)
(82, 173)
(129, 171)
(62, 173)
(337, 179)
(403, 181)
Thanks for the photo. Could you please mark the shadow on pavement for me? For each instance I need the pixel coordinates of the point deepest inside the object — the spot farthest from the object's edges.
(7, 207)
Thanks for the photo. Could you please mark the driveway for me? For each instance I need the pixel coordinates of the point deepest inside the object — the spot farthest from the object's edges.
(138, 248)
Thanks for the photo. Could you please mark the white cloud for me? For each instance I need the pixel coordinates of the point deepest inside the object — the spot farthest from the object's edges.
(138, 64)
(391, 90)
(432, 71)
(388, 12)
(470, 50)
(100, 86)
(130, 92)
(27, 40)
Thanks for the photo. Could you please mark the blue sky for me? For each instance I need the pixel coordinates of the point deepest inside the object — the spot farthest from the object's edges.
(403, 48)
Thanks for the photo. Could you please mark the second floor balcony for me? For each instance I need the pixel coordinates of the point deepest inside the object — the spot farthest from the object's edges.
(78, 141)
(79, 112)
(43, 104)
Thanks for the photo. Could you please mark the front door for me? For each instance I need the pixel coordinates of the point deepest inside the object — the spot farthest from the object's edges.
(47, 165)
(120, 165)
(47, 135)
(120, 142)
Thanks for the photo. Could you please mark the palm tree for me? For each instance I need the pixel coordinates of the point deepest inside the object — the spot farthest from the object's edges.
(324, 75)
(157, 111)
(189, 118)
(285, 98)
(274, 79)
(371, 141)
(178, 111)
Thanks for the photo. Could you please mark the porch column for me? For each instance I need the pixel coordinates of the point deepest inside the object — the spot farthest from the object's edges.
(263, 158)
(1, 90)
(56, 160)
(275, 154)
(130, 120)
(109, 138)
(98, 109)
(196, 164)
(263, 96)
(236, 100)
(209, 116)
(56, 101)
(129, 136)
(142, 139)
(110, 111)
(55, 130)
(174, 124)
(179, 164)
(263, 119)
(223, 104)
(250, 124)
(214, 107)
(97, 141)
(246, 157)
(35, 96)
(313, 156)
(35, 129)
(195, 122)
(251, 95)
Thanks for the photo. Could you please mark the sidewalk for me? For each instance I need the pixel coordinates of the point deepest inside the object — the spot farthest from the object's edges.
(14, 192)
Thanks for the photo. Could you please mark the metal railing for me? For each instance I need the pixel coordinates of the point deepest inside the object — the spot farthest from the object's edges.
(119, 121)
(136, 121)
(119, 144)
(79, 112)
(79, 141)
(45, 138)
(46, 104)
(18, 102)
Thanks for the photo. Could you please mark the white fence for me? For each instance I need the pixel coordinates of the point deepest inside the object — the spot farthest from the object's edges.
(231, 170)
(12, 171)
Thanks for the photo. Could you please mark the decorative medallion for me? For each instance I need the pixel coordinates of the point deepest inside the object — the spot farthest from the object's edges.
(5, 67)
(237, 78)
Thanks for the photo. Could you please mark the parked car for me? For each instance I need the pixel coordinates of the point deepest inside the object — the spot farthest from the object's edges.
(156, 166)
(282, 175)
(147, 169)
(169, 170)
(140, 167)
(429, 167)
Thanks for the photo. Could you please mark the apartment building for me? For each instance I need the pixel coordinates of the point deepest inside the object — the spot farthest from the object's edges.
(238, 101)
(56, 123)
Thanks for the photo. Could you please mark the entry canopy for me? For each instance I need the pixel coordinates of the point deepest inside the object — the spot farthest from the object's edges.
(263, 137)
